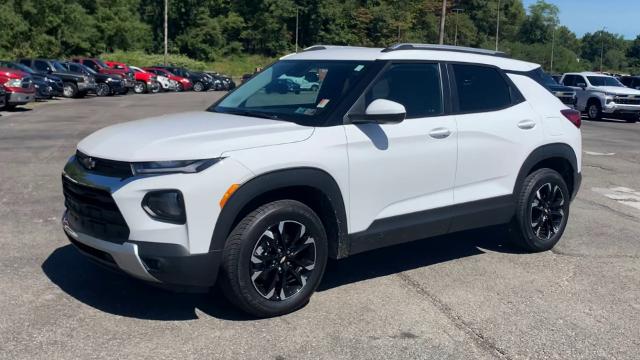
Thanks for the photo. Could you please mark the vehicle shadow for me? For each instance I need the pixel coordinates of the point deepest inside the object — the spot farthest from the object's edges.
(121, 295)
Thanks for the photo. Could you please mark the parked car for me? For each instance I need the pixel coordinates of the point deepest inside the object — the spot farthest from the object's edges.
(18, 86)
(47, 85)
(101, 67)
(631, 81)
(165, 83)
(384, 156)
(3, 97)
(200, 81)
(146, 82)
(600, 95)
(107, 84)
(74, 85)
(183, 84)
(226, 81)
(282, 86)
(565, 94)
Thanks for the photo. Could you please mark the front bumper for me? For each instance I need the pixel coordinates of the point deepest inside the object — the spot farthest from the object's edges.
(16, 98)
(614, 108)
(120, 231)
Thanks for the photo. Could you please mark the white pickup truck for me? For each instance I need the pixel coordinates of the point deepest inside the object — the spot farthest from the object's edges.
(600, 95)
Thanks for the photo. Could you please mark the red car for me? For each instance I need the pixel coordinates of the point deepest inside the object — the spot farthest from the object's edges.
(183, 83)
(144, 81)
(19, 87)
(100, 66)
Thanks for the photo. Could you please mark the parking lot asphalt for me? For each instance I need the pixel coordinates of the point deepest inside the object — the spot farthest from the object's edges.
(463, 296)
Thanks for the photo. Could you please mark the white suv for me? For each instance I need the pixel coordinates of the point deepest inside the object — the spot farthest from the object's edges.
(395, 145)
(600, 94)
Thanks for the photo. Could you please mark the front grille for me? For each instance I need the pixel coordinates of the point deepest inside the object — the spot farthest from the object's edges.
(99, 254)
(567, 100)
(26, 83)
(93, 212)
(627, 101)
(111, 168)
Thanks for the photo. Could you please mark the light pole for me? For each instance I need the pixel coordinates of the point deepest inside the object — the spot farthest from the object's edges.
(442, 20)
(166, 15)
(602, 47)
(498, 27)
(553, 44)
(297, 14)
(457, 11)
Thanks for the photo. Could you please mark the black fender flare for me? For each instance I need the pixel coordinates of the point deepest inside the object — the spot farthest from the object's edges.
(544, 152)
(308, 177)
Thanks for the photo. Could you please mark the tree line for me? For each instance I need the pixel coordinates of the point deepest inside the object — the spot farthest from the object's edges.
(207, 30)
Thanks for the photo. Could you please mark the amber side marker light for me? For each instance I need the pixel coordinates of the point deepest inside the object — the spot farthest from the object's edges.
(228, 194)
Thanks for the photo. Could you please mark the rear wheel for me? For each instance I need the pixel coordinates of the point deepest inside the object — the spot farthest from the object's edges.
(542, 211)
(198, 86)
(69, 90)
(274, 259)
(155, 87)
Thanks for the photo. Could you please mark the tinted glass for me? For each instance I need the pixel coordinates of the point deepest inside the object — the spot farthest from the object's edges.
(416, 86)
(481, 88)
(41, 65)
(604, 81)
(569, 80)
(299, 91)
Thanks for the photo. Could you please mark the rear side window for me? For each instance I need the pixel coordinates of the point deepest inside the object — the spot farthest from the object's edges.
(481, 88)
(41, 65)
(416, 86)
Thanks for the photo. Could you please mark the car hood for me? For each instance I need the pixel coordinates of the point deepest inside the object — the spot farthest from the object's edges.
(189, 136)
(560, 88)
(618, 90)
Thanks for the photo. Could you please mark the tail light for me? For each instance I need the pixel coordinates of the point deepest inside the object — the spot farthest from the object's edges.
(574, 116)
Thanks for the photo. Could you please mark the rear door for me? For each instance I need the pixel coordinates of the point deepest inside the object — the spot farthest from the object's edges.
(497, 130)
(398, 171)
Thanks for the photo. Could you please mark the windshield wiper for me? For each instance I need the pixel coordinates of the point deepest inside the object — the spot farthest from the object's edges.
(257, 114)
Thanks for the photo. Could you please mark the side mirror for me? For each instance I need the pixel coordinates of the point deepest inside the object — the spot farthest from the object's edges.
(381, 111)
(582, 85)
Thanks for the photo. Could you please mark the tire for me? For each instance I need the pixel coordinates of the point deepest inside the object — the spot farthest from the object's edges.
(155, 87)
(594, 110)
(542, 211)
(248, 250)
(69, 90)
(631, 118)
(140, 87)
(180, 88)
(198, 87)
(103, 89)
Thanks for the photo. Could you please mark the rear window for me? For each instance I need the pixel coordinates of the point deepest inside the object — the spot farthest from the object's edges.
(481, 88)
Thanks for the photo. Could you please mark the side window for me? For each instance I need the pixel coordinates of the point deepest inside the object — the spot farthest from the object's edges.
(416, 86)
(569, 80)
(481, 88)
(89, 64)
(41, 66)
(580, 80)
(74, 68)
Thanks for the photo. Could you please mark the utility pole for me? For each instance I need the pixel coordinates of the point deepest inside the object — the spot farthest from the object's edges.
(297, 14)
(442, 20)
(602, 48)
(498, 27)
(553, 44)
(166, 16)
(457, 11)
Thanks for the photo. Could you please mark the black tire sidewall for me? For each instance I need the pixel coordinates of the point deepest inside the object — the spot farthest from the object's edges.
(525, 234)
(74, 89)
(598, 114)
(240, 276)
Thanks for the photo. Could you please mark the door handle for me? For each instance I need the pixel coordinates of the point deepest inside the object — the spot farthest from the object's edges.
(440, 133)
(527, 124)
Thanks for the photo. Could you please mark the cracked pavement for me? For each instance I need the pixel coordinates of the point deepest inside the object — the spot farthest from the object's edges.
(462, 296)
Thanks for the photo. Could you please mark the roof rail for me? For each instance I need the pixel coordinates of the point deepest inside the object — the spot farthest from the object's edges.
(434, 47)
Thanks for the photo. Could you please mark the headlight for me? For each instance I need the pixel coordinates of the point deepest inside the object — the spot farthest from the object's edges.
(173, 167)
(109, 80)
(13, 83)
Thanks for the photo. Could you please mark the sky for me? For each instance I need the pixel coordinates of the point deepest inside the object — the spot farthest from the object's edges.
(583, 16)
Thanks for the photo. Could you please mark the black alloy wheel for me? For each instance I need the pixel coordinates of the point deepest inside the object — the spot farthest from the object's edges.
(547, 211)
(282, 260)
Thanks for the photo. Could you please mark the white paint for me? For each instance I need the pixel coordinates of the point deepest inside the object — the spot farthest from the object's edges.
(623, 195)
(593, 153)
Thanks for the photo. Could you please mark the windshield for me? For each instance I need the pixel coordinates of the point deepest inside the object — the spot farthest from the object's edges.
(295, 90)
(604, 81)
(548, 79)
(17, 66)
(59, 67)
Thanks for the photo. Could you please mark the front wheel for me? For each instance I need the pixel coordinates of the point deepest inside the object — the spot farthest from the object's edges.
(542, 211)
(69, 90)
(103, 90)
(274, 259)
(198, 87)
(594, 111)
(140, 87)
